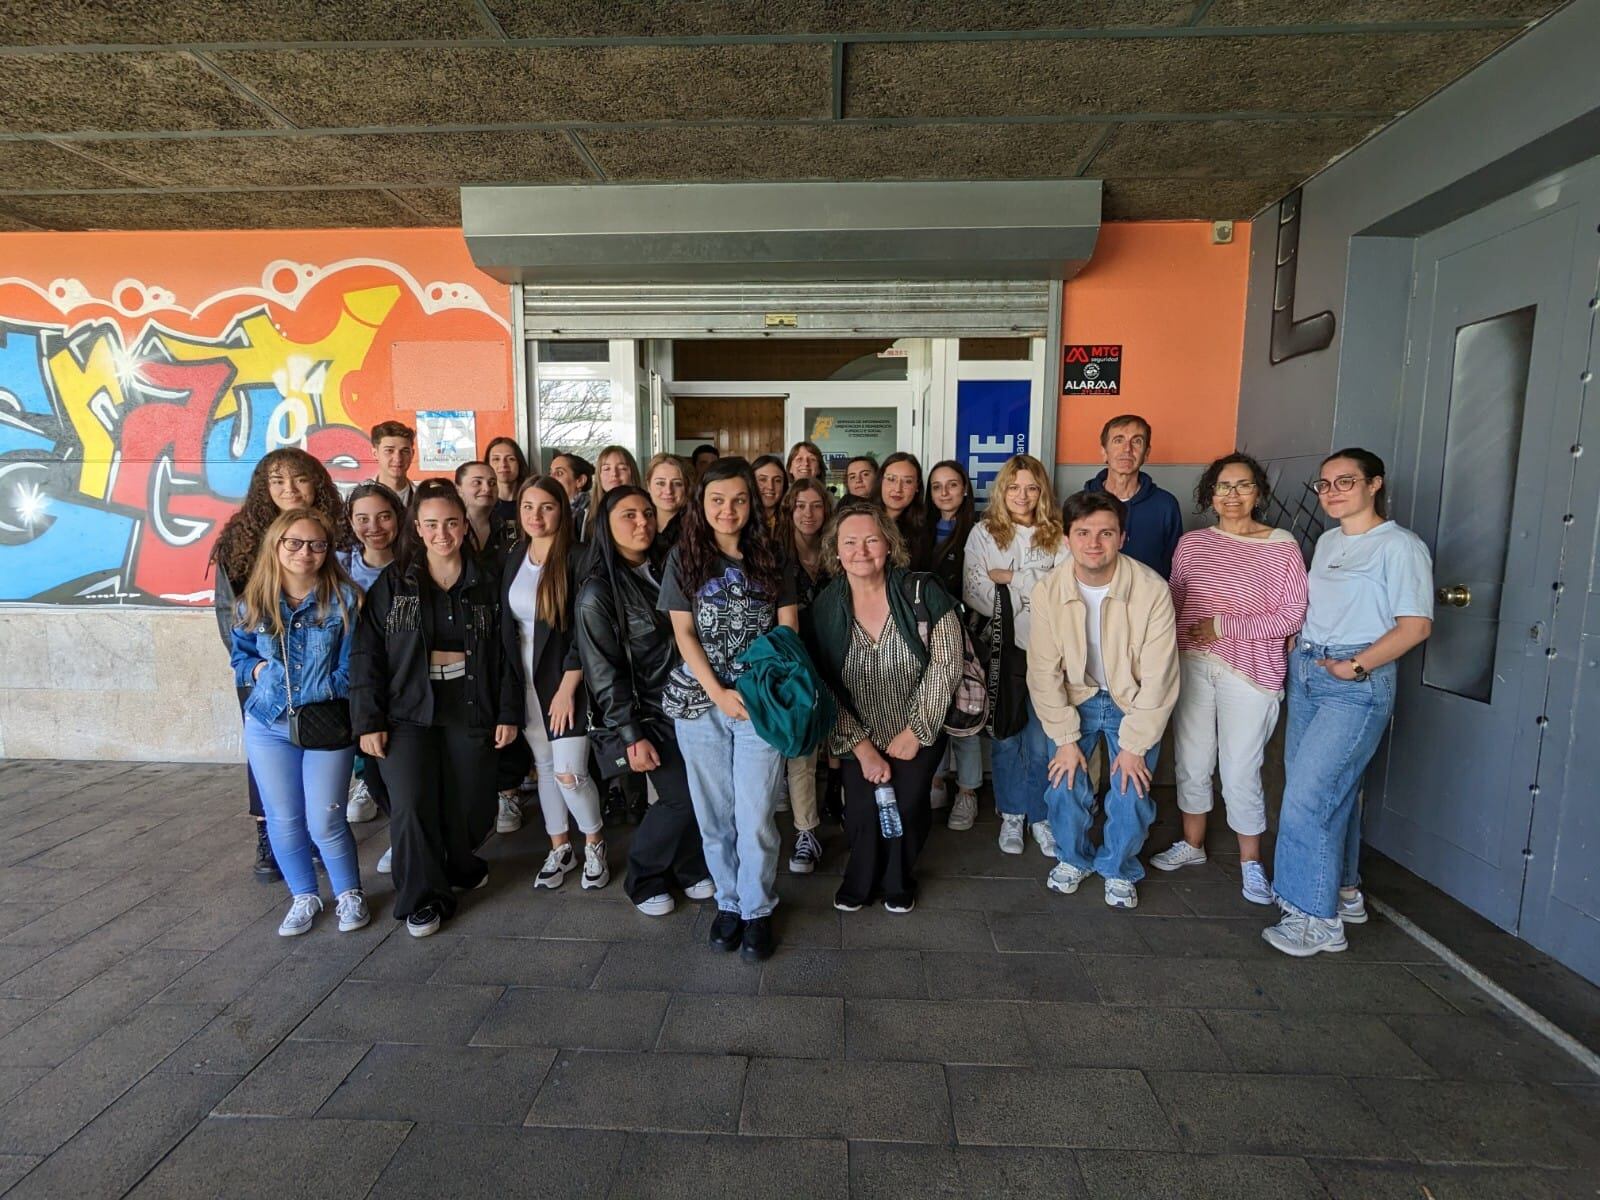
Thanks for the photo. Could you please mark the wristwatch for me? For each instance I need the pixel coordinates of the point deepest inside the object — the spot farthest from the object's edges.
(1361, 672)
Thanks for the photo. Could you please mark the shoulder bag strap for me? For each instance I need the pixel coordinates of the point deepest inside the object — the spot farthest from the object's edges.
(283, 642)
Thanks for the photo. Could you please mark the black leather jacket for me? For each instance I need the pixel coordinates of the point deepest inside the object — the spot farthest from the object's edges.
(627, 648)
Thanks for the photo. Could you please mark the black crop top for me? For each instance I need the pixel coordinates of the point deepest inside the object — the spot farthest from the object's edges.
(444, 618)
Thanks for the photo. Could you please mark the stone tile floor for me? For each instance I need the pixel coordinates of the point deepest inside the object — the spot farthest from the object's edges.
(158, 1039)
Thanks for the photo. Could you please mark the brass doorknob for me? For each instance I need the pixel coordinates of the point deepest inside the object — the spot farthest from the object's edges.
(1457, 595)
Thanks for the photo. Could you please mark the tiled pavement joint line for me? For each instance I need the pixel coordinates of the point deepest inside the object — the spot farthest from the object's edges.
(1536, 1021)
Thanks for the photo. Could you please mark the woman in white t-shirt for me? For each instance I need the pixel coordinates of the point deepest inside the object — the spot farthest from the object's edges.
(1371, 600)
(1018, 542)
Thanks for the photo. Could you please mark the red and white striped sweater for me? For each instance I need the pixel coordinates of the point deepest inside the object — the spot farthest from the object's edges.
(1254, 588)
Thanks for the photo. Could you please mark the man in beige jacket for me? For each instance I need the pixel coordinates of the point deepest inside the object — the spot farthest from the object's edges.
(1102, 662)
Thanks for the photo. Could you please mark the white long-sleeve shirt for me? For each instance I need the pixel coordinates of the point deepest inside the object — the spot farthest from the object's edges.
(1028, 564)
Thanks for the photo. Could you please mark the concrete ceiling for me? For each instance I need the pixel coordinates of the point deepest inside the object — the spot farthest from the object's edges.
(197, 114)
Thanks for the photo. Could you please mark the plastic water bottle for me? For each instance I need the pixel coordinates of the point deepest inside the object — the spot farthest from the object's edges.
(888, 811)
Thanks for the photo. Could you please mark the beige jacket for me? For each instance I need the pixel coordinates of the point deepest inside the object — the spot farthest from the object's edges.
(1138, 641)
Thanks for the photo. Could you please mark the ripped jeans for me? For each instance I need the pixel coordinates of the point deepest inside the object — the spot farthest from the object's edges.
(567, 756)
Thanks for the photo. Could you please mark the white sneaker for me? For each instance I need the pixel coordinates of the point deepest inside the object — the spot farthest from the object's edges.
(557, 865)
(1352, 908)
(899, 907)
(656, 906)
(1046, 838)
(596, 874)
(352, 909)
(1065, 878)
(360, 806)
(807, 853)
(939, 795)
(964, 811)
(1011, 833)
(703, 890)
(1121, 894)
(1301, 936)
(386, 862)
(1257, 889)
(509, 818)
(1179, 854)
(301, 913)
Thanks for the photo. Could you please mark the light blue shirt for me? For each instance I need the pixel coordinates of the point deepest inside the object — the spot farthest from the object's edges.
(356, 567)
(1361, 583)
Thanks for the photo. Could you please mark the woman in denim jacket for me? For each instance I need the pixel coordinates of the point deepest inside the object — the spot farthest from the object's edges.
(291, 647)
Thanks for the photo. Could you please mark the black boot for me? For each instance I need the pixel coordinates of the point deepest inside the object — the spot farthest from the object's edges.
(833, 796)
(615, 809)
(266, 866)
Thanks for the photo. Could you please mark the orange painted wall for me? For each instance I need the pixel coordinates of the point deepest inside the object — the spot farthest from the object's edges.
(1175, 303)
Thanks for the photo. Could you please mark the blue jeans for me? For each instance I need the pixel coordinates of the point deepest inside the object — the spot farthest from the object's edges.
(1333, 731)
(968, 755)
(733, 780)
(1128, 814)
(303, 793)
(1021, 766)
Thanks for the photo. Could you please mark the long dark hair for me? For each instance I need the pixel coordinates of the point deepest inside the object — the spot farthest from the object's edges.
(788, 542)
(410, 551)
(1372, 467)
(1207, 487)
(602, 546)
(697, 546)
(522, 461)
(235, 550)
(362, 491)
(552, 604)
(966, 515)
(913, 522)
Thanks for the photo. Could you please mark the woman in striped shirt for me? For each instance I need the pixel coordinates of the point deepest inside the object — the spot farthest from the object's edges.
(1239, 589)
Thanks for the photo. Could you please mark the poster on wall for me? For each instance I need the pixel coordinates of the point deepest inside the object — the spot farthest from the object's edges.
(845, 433)
(991, 426)
(446, 438)
(1096, 369)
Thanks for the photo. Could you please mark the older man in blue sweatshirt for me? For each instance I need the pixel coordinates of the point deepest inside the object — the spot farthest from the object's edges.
(1154, 522)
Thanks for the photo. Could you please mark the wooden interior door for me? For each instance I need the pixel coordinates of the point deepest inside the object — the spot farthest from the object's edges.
(745, 425)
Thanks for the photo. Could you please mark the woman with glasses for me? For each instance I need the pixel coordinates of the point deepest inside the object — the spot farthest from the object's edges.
(1371, 600)
(1239, 588)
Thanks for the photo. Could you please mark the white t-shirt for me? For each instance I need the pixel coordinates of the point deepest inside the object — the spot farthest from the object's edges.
(1094, 667)
(524, 599)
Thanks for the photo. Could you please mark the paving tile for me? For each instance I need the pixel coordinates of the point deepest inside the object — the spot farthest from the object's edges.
(1129, 1175)
(16, 959)
(506, 908)
(686, 1093)
(1059, 1106)
(1099, 1035)
(892, 1171)
(247, 1157)
(293, 1081)
(473, 1085)
(817, 928)
(1208, 937)
(621, 923)
(640, 966)
(14, 1166)
(940, 1031)
(1488, 1047)
(17, 914)
(846, 973)
(1092, 932)
(659, 1164)
(70, 921)
(992, 896)
(574, 1020)
(1312, 1043)
(19, 1079)
(226, 973)
(775, 1026)
(1472, 1122)
(490, 1162)
(14, 1011)
(1345, 1180)
(1273, 1114)
(1214, 898)
(949, 930)
(399, 1012)
(880, 1101)
(521, 962)
(401, 958)
(1325, 985)
(1180, 983)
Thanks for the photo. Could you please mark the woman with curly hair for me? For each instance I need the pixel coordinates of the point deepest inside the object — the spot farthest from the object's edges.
(284, 479)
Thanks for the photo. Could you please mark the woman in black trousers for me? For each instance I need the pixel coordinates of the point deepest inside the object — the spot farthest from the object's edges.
(628, 650)
(433, 694)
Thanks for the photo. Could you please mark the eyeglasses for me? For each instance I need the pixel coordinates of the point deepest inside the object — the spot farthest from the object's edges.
(1246, 488)
(295, 545)
(1344, 483)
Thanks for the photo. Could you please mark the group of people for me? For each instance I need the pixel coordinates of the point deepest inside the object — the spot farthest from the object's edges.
(605, 628)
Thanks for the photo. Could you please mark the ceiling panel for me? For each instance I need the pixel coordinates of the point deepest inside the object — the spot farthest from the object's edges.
(439, 206)
(135, 22)
(52, 93)
(1191, 199)
(1227, 149)
(41, 165)
(211, 210)
(1319, 12)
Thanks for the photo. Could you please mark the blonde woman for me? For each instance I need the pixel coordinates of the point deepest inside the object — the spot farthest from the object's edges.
(613, 467)
(1018, 542)
(667, 480)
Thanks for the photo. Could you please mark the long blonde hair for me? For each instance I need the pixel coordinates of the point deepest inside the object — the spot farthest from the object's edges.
(1047, 530)
(260, 603)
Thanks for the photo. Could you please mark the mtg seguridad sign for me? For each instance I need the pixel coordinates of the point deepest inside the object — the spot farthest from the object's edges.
(1096, 369)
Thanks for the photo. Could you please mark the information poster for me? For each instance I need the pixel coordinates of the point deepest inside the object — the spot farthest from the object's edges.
(845, 433)
(1095, 369)
(991, 426)
(446, 438)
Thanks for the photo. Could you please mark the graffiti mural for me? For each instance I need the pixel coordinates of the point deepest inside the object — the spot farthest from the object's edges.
(129, 425)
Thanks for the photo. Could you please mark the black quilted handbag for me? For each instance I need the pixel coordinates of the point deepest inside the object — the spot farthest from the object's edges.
(320, 725)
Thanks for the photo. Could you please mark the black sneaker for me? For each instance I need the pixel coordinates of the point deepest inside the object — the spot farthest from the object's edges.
(424, 921)
(615, 810)
(266, 866)
(727, 931)
(758, 940)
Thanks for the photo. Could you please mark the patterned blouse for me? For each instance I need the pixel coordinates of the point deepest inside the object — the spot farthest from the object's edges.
(890, 688)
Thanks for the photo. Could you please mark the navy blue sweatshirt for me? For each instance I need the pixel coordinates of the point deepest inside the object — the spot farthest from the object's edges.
(1155, 523)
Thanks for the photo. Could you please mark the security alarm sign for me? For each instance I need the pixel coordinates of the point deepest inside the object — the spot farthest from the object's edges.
(1091, 369)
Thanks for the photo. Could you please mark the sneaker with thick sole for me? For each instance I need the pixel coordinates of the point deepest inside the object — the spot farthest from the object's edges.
(1121, 894)
(386, 862)
(359, 805)
(302, 911)
(704, 890)
(807, 853)
(351, 907)
(1011, 833)
(758, 942)
(657, 906)
(1045, 836)
(265, 866)
(900, 906)
(509, 818)
(846, 905)
(1301, 936)
(1065, 878)
(1256, 888)
(1352, 908)
(964, 811)
(425, 921)
(596, 874)
(558, 864)
(727, 931)
(1179, 854)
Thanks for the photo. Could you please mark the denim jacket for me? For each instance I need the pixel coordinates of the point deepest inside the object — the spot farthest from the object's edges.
(319, 658)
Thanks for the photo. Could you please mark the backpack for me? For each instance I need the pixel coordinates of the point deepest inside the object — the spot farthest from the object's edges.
(969, 707)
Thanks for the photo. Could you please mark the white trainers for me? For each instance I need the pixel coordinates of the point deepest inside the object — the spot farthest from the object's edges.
(1121, 894)
(1065, 878)
(1011, 833)
(703, 890)
(301, 913)
(1257, 889)
(386, 863)
(360, 806)
(509, 818)
(1301, 935)
(656, 906)
(1046, 838)
(939, 794)
(351, 907)
(807, 853)
(1179, 854)
(596, 874)
(1352, 907)
(558, 864)
(964, 811)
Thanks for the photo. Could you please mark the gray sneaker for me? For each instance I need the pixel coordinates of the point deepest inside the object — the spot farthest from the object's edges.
(1301, 935)
(300, 915)
(1352, 908)
(596, 874)
(1256, 888)
(1065, 878)
(1047, 840)
(352, 909)
(1120, 893)
(509, 818)
(1011, 833)
(964, 811)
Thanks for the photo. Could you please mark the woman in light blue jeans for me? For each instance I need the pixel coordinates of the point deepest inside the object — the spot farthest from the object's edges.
(724, 586)
(291, 647)
(1371, 600)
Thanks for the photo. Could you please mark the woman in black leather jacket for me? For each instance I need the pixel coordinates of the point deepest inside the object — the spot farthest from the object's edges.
(628, 650)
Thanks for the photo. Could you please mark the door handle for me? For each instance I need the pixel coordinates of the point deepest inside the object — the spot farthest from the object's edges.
(1456, 595)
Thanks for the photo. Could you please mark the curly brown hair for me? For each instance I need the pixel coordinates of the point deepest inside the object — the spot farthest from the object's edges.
(235, 551)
